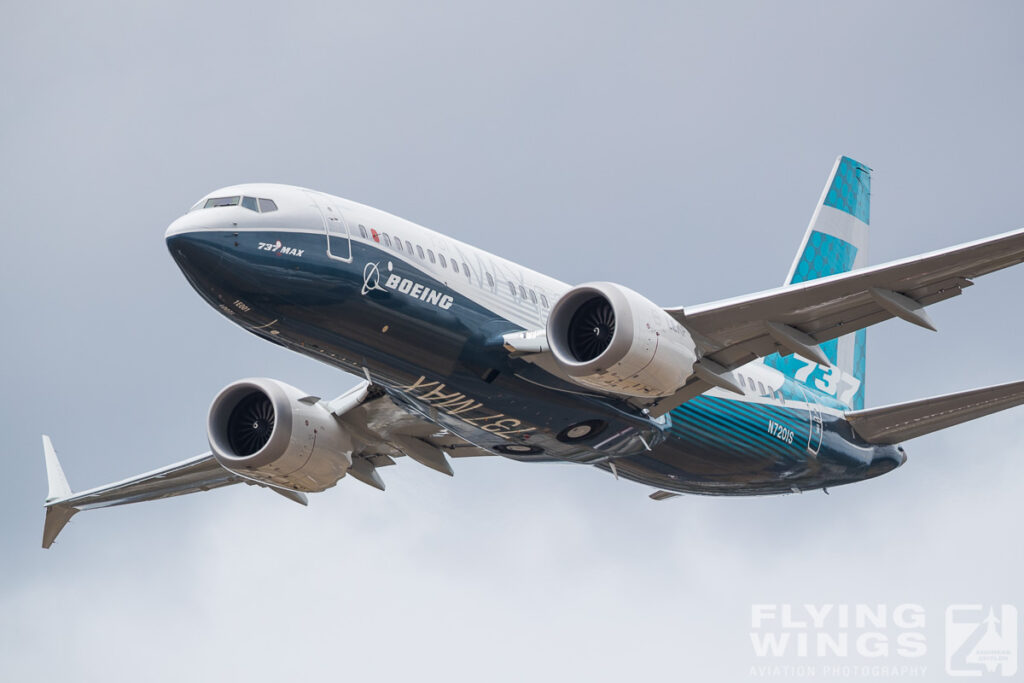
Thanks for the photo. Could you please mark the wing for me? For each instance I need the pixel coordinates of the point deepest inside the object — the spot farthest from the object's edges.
(903, 421)
(201, 473)
(737, 331)
(798, 317)
(383, 429)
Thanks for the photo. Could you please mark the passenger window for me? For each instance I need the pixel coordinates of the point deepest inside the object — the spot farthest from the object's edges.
(750, 383)
(490, 280)
(455, 265)
(544, 300)
(419, 250)
(408, 247)
(444, 263)
(249, 203)
(221, 201)
(522, 291)
(267, 205)
(465, 269)
(512, 288)
(362, 231)
(387, 240)
(533, 296)
(761, 387)
(430, 253)
(398, 244)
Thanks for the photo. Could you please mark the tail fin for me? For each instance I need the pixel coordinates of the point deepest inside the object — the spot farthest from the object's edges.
(836, 241)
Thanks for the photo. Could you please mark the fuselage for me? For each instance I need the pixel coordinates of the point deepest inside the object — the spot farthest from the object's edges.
(423, 316)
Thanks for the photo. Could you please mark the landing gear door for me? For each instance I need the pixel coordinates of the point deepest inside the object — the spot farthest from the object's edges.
(339, 243)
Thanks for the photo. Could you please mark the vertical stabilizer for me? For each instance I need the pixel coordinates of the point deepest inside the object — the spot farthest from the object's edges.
(836, 241)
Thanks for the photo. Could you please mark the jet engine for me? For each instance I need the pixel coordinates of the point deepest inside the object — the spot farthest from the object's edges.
(607, 337)
(268, 430)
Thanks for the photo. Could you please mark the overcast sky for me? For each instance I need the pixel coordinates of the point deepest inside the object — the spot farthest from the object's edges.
(677, 151)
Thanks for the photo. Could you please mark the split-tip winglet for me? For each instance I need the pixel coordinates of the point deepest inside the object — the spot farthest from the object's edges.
(57, 516)
(58, 483)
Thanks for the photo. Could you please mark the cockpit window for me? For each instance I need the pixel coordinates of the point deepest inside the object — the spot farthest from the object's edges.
(222, 201)
(252, 203)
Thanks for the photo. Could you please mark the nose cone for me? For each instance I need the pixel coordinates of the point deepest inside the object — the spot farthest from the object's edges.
(190, 241)
(181, 226)
(194, 246)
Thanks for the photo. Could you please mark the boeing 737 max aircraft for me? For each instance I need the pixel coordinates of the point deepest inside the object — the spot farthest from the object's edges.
(466, 354)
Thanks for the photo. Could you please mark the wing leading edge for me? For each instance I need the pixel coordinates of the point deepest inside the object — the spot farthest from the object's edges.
(200, 473)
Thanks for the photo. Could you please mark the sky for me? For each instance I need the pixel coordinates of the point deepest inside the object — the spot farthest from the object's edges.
(676, 148)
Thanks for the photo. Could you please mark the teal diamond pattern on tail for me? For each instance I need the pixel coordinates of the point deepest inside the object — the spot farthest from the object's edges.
(824, 255)
(851, 189)
(833, 243)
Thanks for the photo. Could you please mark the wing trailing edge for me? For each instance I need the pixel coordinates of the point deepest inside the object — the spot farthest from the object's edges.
(903, 421)
(200, 473)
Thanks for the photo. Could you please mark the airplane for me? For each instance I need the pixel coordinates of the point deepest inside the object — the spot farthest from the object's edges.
(462, 353)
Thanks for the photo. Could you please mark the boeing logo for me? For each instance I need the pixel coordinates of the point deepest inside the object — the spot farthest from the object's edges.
(371, 279)
(371, 282)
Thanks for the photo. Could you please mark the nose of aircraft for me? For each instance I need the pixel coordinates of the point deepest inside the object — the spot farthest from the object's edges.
(195, 244)
(181, 226)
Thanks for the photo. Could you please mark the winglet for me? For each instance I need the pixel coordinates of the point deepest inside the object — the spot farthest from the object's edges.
(57, 516)
(58, 483)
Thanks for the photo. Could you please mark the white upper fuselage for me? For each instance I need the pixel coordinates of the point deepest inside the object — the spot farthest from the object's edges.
(518, 294)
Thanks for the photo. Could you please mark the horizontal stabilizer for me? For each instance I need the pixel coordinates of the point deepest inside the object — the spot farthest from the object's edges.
(903, 421)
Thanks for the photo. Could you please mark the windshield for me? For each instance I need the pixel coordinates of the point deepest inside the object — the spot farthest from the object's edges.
(221, 201)
(259, 205)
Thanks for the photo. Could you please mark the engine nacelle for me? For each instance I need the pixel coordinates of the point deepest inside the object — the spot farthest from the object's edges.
(607, 337)
(261, 429)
